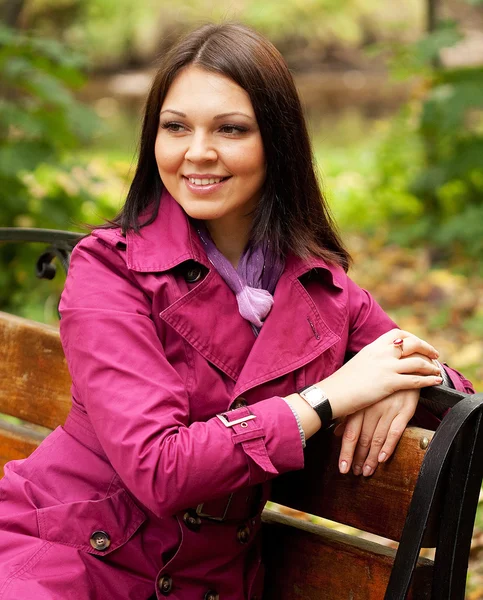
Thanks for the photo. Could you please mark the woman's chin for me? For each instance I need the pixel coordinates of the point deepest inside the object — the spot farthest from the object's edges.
(200, 210)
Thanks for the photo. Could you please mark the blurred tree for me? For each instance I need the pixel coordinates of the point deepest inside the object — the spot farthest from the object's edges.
(450, 183)
(120, 33)
(40, 122)
(427, 184)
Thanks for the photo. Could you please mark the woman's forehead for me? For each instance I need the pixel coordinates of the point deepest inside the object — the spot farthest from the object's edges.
(196, 90)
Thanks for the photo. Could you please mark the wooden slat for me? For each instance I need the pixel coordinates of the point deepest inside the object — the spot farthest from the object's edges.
(309, 562)
(16, 441)
(35, 383)
(377, 504)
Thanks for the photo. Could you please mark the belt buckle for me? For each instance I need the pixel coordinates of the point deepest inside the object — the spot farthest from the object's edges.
(200, 513)
(242, 420)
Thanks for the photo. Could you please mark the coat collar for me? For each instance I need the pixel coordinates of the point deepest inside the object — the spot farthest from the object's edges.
(172, 239)
(166, 242)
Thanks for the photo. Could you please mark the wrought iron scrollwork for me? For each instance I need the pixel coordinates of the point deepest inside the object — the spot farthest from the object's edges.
(61, 244)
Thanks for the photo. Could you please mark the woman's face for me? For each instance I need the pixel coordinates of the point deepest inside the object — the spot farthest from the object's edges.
(209, 149)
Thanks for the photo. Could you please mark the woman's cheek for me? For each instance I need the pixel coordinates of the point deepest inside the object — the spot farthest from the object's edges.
(168, 156)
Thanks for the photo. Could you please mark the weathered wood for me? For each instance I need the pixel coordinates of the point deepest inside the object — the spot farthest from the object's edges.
(35, 381)
(17, 441)
(377, 504)
(309, 562)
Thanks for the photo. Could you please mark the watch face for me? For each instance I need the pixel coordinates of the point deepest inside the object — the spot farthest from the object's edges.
(314, 396)
(318, 400)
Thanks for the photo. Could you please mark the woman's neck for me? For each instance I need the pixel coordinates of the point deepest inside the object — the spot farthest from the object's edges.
(231, 238)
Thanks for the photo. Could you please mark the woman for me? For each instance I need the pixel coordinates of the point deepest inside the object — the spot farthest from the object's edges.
(185, 370)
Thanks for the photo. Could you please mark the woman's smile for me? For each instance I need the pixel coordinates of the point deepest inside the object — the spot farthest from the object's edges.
(204, 184)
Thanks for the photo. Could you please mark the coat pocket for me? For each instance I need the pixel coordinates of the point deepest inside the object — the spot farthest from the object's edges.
(95, 526)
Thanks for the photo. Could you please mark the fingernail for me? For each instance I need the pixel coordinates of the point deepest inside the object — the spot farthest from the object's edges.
(367, 471)
(382, 457)
(357, 470)
(439, 379)
(343, 466)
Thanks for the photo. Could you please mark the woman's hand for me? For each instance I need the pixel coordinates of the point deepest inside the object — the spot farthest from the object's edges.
(371, 435)
(379, 370)
(376, 372)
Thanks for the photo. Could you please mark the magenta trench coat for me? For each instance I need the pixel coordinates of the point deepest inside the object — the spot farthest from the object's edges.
(145, 492)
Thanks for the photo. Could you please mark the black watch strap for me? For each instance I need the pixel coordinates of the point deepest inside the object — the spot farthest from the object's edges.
(320, 403)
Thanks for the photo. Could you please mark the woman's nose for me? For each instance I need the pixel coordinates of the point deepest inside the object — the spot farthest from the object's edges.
(201, 149)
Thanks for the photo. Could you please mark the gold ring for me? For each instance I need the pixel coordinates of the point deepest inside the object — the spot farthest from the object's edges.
(398, 342)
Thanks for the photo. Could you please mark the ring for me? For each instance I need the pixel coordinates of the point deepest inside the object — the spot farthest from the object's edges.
(398, 342)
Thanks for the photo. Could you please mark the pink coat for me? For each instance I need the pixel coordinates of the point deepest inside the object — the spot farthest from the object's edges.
(145, 492)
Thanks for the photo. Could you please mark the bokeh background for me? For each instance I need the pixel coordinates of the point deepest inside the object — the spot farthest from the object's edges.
(393, 93)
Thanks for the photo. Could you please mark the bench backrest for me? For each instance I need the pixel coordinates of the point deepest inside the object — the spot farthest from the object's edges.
(331, 565)
(34, 385)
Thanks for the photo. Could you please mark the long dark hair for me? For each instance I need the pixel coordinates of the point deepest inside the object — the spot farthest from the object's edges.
(292, 213)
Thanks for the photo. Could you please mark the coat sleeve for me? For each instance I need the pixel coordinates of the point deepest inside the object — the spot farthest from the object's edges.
(368, 321)
(138, 405)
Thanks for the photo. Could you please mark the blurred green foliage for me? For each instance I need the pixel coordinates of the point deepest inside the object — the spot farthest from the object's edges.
(139, 29)
(414, 178)
(42, 181)
(424, 181)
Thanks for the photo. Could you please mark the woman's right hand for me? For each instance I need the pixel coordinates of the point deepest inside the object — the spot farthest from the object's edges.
(377, 372)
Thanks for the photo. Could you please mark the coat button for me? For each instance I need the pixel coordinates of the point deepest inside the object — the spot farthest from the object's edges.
(243, 534)
(192, 520)
(100, 540)
(165, 584)
(193, 274)
(212, 595)
(239, 402)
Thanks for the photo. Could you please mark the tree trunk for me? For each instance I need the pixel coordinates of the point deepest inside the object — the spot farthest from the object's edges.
(432, 15)
(10, 12)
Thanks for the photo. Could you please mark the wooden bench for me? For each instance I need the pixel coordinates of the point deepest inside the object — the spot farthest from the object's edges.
(306, 560)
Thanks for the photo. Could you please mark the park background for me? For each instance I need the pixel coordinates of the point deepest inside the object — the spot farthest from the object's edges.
(393, 93)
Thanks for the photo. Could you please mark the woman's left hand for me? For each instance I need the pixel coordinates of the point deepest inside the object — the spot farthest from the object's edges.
(371, 435)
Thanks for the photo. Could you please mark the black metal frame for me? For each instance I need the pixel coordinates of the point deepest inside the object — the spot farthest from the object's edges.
(450, 478)
(61, 244)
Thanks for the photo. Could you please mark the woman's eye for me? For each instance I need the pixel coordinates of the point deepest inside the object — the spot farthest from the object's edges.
(233, 129)
(173, 127)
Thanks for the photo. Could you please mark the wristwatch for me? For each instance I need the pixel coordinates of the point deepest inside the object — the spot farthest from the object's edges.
(318, 400)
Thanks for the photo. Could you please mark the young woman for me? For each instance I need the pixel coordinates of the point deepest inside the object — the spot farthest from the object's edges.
(190, 326)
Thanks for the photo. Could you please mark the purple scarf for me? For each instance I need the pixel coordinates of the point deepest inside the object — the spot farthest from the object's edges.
(254, 279)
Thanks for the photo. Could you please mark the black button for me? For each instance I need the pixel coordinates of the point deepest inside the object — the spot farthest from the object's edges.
(193, 274)
(100, 540)
(165, 584)
(239, 402)
(192, 520)
(212, 595)
(243, 534)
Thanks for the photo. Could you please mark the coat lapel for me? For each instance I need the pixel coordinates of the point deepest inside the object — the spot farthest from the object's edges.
(294, 334)
(207, 317)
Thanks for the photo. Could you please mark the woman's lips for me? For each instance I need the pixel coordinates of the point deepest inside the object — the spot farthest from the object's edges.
(202, 190)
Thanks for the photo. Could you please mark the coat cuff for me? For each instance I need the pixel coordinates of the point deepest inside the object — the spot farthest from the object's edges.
(271, 440)
(459, 382)
(282, 437)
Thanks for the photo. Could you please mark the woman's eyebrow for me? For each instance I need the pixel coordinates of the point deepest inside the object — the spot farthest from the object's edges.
(176, 112)
(220, 116)
(230, 114)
